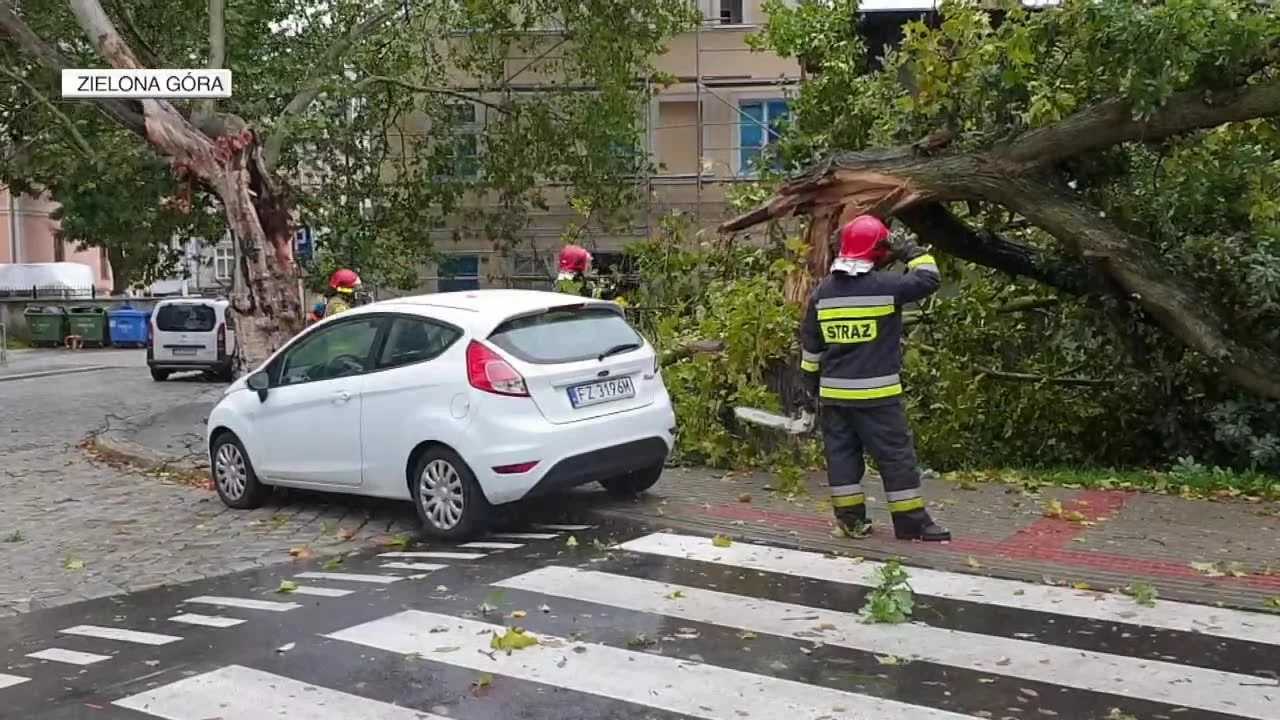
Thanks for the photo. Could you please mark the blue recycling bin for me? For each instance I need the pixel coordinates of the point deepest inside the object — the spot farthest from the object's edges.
(128, 326)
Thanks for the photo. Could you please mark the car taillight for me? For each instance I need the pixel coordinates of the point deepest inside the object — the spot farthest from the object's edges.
(151, 335)
(487, 371)
(222, 339)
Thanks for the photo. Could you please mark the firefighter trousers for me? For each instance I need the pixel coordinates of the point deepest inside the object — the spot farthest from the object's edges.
(882, 432)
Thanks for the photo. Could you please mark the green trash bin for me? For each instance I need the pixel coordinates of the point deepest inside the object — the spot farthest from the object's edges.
(90, 323)
(46, 324)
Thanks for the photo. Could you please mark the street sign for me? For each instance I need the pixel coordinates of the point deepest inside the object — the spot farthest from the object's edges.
(303, 244)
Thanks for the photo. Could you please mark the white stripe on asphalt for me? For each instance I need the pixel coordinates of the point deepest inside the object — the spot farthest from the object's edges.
(245, 603)
(1109, 607)
(524, 536)
(350, 577)
(1158, 681)
(423, 567)
(7, 680)
(487, 545)
(121, 634)
(436, 554)
(241, 693)
(70, 657)
(694, 689)
(563, 527)
(214, 621)
(320, 591)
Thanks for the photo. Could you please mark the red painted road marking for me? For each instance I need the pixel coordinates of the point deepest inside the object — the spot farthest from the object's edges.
(1043, 544)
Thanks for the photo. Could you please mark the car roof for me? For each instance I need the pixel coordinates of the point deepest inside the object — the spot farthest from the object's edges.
(193, 300)
(496, 303)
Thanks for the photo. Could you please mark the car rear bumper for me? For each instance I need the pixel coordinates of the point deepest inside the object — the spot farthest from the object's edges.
(567, 455)
(187, 364)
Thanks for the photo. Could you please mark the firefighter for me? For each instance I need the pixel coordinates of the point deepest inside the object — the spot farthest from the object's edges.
(343, 285)
(852, 355)
(575, 264)
(317, 312)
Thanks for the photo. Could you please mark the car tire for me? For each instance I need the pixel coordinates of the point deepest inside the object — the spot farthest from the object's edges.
(634, 482)
(447, 496)
(234, 478)
(159, 375)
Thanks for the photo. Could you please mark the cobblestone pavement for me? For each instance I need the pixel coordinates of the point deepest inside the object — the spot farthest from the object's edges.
(73, 529)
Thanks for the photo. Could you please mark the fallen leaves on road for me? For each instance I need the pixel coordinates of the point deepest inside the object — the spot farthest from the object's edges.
(480, 684)
(571, 542)
(1272, 603)
(333, 563)
(345, 534)
(1142, 593)
(1081, 585)
(512, 639)
(1053, 509)
(286, 647)
(14, 537)
(398, 541)
(300, 553)
(517, 614)
(287, 586)
(639, 640)
(889, 660)
(722, 541)
(972, 562)
(71, 563)
(746, 635)
(744, 498)
(675, 594)
(1221, 568)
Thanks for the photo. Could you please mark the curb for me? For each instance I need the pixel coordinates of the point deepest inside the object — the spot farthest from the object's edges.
(118, 451)
(47, 373)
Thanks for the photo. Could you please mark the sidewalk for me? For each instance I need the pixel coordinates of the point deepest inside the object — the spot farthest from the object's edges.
(1114, 539)
(25, 364)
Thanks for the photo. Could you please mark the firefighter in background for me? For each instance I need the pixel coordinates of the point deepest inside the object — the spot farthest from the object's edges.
(343, 286)
(851, 338)
(317, 312)
(574, 267)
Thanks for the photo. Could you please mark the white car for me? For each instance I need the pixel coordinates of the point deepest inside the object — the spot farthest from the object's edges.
(191, 333)
(456, 401)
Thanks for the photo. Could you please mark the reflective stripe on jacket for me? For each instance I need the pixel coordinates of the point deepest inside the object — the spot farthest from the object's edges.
(851, 335)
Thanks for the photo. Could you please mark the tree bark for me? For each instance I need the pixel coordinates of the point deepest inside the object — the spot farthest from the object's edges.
(911, 182)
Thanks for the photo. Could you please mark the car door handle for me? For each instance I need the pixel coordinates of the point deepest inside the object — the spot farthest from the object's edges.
(341, 396)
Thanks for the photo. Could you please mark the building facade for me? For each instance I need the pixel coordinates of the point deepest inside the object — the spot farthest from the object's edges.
(29, 235)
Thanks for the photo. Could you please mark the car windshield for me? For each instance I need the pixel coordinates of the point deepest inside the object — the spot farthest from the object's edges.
(566, 335)
(185, 317)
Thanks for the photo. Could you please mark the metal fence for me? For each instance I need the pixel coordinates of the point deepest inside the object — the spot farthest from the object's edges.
(49, 292)
(4, 345)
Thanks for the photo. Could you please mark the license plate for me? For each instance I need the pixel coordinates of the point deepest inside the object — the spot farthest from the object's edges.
(603, 391)
(184, 351)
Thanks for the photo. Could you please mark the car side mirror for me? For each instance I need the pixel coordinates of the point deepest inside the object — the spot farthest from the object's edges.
(259, 381)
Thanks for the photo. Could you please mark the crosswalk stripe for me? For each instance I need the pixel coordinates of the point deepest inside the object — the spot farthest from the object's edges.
(1165, 614)
(350, 577)
(70, 657)
(7, 680)
(243, 603)
(1153, 680)
(121, 634)
(436, 554)
(235, 692)
(488, 545)
(697, 690)
(423, 567)
(214, 621)
(563, 527)
(316, 591)
(524, 536)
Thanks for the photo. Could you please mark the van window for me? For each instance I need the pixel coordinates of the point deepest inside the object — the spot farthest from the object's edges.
(186, 317)
(566, 335)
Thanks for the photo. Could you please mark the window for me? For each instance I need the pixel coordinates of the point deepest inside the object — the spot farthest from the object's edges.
(337, 351)
(466, 157)
(561, 336)
(412, 340)
(185, 317)
(460, 272)
(760, 125)
(730, 12)
(525, 264)
(223, 262)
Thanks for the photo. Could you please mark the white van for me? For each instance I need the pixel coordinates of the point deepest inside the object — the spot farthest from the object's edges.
(191, 333)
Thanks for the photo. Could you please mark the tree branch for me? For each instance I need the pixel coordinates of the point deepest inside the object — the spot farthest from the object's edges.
(1029, 377)
(432, 90)
(125, 112)
(1112, 122)
(77, 140)
(313, 84)
(148, 53)
(217, 52)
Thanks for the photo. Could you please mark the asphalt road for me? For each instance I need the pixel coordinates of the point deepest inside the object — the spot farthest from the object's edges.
(629, 624)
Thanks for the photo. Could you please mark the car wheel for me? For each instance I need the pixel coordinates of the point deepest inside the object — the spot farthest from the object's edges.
(447, 497)
(159, 375)
(634, 482)
(233, 475)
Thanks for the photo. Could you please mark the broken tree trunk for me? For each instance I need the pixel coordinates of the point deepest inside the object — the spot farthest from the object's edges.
(913, 183)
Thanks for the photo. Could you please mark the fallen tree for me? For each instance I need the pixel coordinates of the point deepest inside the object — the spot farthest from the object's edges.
(1030, 171)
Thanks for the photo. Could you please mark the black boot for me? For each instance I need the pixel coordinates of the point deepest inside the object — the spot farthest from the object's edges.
(917, 525)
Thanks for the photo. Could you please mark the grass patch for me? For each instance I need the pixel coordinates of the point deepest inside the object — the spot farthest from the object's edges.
(1186, 479)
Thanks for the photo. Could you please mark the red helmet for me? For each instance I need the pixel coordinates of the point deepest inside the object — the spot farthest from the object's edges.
(574, 259)
(344, 281)
(861, 240)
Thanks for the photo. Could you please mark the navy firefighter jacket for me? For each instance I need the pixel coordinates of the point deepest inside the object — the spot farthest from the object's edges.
(851, 335)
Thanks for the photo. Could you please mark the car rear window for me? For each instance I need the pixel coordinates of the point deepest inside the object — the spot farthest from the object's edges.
(565, 335)
(185, 317)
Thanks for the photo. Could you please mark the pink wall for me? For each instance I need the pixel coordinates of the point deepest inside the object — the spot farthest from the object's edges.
(36, 241)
